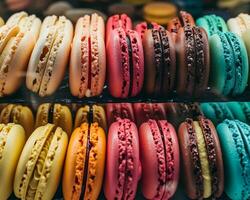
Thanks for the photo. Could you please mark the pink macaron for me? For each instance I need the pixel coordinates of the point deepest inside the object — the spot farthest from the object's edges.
(118, 21)
(143, 26)
(145, 111)
(115, 111)
(125, 63)
(123, 166)
(159, 152)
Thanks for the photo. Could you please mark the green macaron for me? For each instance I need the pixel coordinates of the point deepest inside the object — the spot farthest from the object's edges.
(216, 112)
(229, 64)
(235, 144)
(212, 24)
(240, 110)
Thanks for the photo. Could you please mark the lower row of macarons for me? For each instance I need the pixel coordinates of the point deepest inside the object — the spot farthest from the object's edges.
(154, 156)
(188, 57)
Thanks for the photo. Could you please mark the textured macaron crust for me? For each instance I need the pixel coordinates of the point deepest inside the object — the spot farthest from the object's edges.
(217, 112)
(159, 152)
(20, 32)
(229, 64)
(160, 62)
(84, 164)
(40, 165)
(18, 114)
(202, 159)
(239, 24)
(87, 70)
(145, 111)
(117, 111)
(50, 55)
(212, 24)
(184, 19)
(11, 135)
(125, 63)
(117, 21)
(234, 139)
(193, 61)
(90, 114)
(143, 26)
(123, 166)
(57, 114)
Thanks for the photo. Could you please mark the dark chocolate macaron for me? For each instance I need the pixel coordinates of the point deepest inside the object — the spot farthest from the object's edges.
(160, 62)
(193, 61)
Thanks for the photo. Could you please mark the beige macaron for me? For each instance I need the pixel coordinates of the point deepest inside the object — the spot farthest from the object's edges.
(17, 39)
(50, 55)
(12, 140)
(40, 165)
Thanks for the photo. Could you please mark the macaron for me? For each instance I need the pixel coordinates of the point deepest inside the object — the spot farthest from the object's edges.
(178, 112)
(227, 4)
(87, 70)
(84, 163)
(123, 166)
(159, 150)
(183, 19)
(217, 112)
(239, 24)
(212, 24)
(145, 111)
(136, 2)
(229, 64)
(117, 111)
(202, 162)
(193, 65)
(240, 110)
(159, 12)
(50, 55)
(18, 114)
(160, 62)
(118, 21)
(40, 165)
(11, 135)
(141, 27)
(20, 32)
(90, 114)
(56, 114)
(234, 140)
(125, 63)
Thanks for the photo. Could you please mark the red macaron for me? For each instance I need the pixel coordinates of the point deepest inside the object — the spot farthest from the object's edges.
(143, 26)
(159, 152)
(125, 63)
(123, 166)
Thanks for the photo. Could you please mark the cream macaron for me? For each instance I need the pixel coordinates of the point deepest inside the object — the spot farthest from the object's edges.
(17, 39)
(12, 140)
(50, 55)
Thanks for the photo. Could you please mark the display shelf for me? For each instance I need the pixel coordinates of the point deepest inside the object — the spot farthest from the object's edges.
(63, 95)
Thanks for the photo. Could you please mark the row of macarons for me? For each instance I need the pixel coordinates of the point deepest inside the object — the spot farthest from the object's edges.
(70, 116)
(212, 160)
(186, 57)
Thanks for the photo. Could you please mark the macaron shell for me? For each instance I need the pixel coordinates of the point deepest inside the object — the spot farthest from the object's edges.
(246, 39)
(9, 156)
(53, 166)
(75, 160)
(96, 162)
(114, 184)
(26, 38)
(1, 21)
(15, 18)
(6, 33)
(237, 110)
(150, 161)
(42, 115)
(99, 116)
(116, 51)
(234, 182)
(33, 145)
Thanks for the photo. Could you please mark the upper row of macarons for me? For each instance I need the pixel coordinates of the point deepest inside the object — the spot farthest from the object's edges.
(150, 59)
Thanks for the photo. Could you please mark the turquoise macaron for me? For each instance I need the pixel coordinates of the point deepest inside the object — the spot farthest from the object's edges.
(240, 110)
(229, 64)
(212, 24)
(216, 112)
(234, 139)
